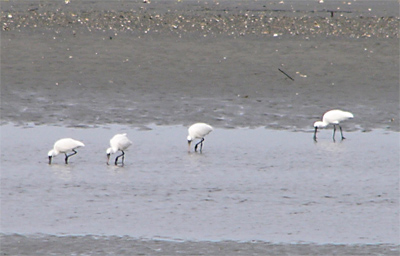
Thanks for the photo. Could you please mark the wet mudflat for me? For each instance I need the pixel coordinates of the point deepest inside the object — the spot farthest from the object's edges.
(64, 72)
(110, 245)
(224, 81)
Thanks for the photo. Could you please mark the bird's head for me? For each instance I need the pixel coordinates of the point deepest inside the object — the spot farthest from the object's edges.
(109, 151)
(319, 124)
(189, 139)
(50, 155)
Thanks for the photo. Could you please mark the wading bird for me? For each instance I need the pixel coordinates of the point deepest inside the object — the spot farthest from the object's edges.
(332, 117)
(198, 131)
(64, 146)
(118, 142)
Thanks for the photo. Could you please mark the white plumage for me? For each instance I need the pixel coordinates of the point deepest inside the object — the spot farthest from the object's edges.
(198, 131)
(332, 117)
(119, 142)
(64, 146)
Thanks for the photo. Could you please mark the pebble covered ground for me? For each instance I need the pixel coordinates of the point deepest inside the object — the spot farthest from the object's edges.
(231, 18)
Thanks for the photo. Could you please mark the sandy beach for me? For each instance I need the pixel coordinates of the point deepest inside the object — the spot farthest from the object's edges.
(261, 72)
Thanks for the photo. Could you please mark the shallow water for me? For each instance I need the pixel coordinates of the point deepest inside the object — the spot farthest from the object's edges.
(248, 184)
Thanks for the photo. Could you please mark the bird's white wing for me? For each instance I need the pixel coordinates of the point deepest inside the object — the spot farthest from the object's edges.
(120, 142)
(335, 116)
(199, 130)
(124, 143)
(67, 144)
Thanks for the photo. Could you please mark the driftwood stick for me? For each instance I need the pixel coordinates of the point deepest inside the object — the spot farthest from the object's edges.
(286, 74)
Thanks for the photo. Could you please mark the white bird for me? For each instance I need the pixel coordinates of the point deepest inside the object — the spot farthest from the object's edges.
(64, 146)
(198, 131)
(332, 117)
(118, 142)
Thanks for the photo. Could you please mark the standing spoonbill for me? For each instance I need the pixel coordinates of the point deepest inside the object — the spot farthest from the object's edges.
(118, 142)
(332, 117)
(64, 146)
(198, 131)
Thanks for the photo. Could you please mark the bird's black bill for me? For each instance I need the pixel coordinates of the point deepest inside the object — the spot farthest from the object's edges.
(108, 158)
(49, 159)
(315, 134)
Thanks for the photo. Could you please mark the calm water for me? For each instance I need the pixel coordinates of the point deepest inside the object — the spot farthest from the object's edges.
(248, 184)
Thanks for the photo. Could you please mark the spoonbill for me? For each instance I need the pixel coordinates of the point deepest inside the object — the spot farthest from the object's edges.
(63, 146)
(119, 142)
(198, 131)
(332, 117)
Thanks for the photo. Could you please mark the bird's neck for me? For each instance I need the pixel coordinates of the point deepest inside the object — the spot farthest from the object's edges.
(54, 152)
(112, 150)
(323, 124)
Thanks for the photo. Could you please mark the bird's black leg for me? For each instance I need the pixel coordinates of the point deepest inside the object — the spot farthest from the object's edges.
(341, 132)
(200, 142)
(334, 130)
(201, 145)
(315, 134)
(66, 156)
(116, 159)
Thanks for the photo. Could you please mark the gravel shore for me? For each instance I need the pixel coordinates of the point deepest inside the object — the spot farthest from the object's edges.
(349, 19)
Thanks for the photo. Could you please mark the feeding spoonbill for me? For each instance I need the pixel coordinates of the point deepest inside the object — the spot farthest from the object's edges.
(64, 146)
(332, 117)
(198, 131)
(118, 142)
